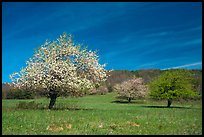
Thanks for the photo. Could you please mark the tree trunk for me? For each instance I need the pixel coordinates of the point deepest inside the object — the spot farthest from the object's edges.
(53, 97)
(169, 103)
(129, 99)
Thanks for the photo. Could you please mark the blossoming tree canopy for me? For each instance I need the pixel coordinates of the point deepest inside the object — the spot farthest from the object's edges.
(131, 89)
(61, 66)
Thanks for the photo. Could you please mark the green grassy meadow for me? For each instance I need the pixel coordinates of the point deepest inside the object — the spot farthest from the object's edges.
(102, 115)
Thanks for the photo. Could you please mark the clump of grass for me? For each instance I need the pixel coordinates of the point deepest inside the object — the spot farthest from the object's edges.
(34, 105)
(30, 105)
(67, 106)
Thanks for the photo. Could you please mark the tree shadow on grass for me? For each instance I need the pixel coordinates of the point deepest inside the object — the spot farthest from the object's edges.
(126, 102)
(142, 102)
(71, 109)
(54, 109)
(168, 107)
(39, 106)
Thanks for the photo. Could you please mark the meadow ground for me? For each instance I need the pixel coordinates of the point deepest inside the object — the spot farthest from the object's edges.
(102, 115)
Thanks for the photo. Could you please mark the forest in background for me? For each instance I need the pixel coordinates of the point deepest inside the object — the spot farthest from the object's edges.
(118, 76)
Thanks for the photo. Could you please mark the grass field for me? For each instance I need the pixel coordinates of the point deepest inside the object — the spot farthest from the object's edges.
(102, 115)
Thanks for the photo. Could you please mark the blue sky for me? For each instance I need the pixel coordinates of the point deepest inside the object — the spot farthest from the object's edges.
(128, 36)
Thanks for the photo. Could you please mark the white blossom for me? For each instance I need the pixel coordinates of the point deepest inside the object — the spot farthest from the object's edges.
(61, 64)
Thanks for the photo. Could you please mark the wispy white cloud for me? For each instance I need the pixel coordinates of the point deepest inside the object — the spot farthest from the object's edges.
(193, 42)
(153, 64)
(147, 65)
(75, 17)
(133, 46)
(189, 30)
(159, 34)
(185, 66)
(164, 32)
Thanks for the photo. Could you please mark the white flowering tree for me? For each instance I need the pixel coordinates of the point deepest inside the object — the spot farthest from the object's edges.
(132, 89)
(61, 66)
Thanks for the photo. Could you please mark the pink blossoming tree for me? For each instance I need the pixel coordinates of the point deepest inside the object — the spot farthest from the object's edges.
(131, 89)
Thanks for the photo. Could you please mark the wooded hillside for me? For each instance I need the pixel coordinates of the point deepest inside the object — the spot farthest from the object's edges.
(118, 76)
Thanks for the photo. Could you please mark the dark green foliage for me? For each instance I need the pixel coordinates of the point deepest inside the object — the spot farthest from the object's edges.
(173, 84)
(29, 105)
(18, 94)
(4, 94)
(34, 105)
(197, 83)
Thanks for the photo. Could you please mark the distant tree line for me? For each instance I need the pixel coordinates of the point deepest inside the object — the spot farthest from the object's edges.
(116, 77)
